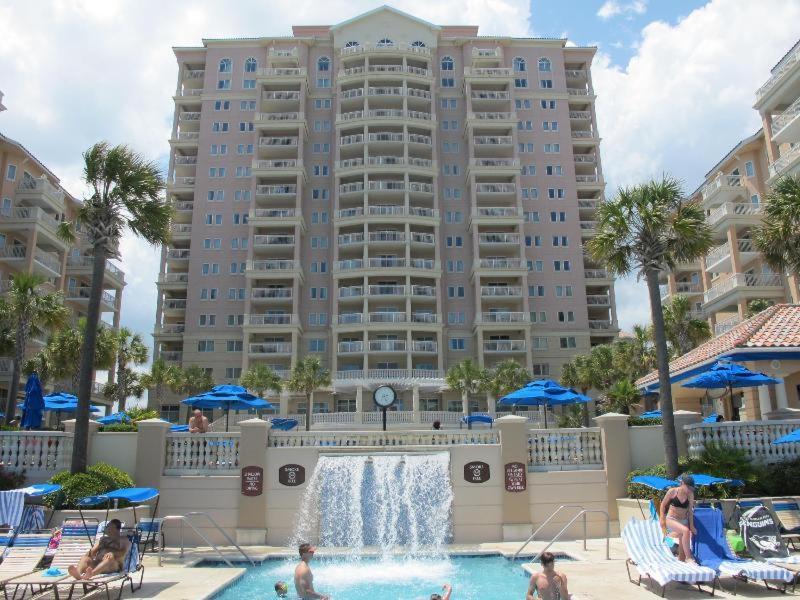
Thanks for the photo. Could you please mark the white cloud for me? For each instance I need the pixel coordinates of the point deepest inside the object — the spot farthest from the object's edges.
(685, 98)
(612, 8)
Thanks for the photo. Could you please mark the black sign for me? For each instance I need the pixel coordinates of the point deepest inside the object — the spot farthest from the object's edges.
(516, 477)
(476, 472)
(252, 481)
(292, 475)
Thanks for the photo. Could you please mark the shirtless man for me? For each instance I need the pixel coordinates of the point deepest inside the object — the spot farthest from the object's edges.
(199, 422)
(446, 590)
(303, 578)
(549, 584)
(106, 556)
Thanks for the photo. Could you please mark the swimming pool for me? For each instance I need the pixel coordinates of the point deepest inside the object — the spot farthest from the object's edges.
(472, 577)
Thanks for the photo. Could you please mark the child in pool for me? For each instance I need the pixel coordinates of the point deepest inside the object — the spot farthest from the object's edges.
(282, 589)
(446, 590)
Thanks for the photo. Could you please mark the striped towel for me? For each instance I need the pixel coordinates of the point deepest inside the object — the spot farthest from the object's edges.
(645, 543)
(11, 504)
(32, 518)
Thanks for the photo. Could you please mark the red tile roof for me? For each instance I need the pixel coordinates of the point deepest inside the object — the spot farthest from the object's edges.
(776, 327)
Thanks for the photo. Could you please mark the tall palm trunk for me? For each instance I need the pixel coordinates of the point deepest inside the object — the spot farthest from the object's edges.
(23, 327)
(309, 411)
(81, 440)
(662, 363)
(122, 384)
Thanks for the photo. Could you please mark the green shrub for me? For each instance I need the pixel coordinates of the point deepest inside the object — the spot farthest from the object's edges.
(98, 479)
(119, 427)
(639, 422)
(136, 414)
(782, 479)
(9, 480)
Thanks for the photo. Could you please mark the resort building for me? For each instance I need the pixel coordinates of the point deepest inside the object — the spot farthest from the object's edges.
(391, 195)
(33, 205)
(721, 285)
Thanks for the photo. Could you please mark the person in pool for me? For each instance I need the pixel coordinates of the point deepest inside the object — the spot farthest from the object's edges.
(548, 584)
(304, 578)
(677, 516)
(281, 589)
(445, 595)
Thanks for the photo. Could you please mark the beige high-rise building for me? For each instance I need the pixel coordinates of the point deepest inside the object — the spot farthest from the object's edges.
(32, 205)
(391, 195)
(721, 285)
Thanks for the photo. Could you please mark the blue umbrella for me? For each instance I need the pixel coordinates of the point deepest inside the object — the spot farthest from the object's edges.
(789, 438)
(653, 414)
(179, 428)
(34, 404)
(114, 419)
(227, 397)
(728, 375)
(283, 424)
(543, 393)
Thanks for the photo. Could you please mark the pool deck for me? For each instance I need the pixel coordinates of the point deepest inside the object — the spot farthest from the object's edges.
(590, 575)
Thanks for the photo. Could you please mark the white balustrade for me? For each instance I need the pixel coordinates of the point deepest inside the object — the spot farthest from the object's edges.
(754, 437)
(565, 449)
(36, 453)
(371, 439)
(202, 454)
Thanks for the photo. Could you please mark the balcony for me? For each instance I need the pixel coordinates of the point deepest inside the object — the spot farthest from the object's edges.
(600, 325)
(385, 263)
(286, 267)
(277, 142)
(504, 346)
(270, 320)
(277, 167)
(180, 231)
(173, 330)
(488, 73)
(387, 346)
(779, 73)
(501, 317)
(499, 239)
(491, 54)
(84, 264)
(495, 189)
(579, 92)
(350, 239)
(174, 280)
(40, 192)
(723, 188)
(787, 164)
(489, 96)
(178, 254)
(580, 115)
(384, 317)
(685, 288)
(385, 49)
(171, 355)
(270, 348)
(186, 139)
(277, 217)
(749, 285)
(718, 259)
(83, 293)
(273, 241)
(501, 264)
(738, 213)
(423, 291)
(576, 73)
(501, 291)
(786, 126)
(194, 74)
(350, 347)
(276, 191)
(353, 291)
(588, 180)
(424, 346)
(278, 74)
(181, 184)
(588, 228)
(408, 376)
(387, 290)
(723, 327)
(262, 294)
(279, 120)
(597, 274)
(32, 215)
(494, 116)
(598, 300)
(174, 305)
(280, 96)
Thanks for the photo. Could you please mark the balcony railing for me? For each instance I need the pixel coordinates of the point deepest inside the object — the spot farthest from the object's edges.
(185, 160)
(384, 49)
(353, 291)
(495, 162)
(723, 251)
(172, 355)
(493, 72)
(492, 116)
(175, 304)
(271, 293)
(194, 73)
(786, 64)
(580, 115)
(277, 141)
(178, 254)
(731, 209)
(599, 324)
(348, 239)
(48, 260)
(424, 346)
(387, 290)
(596, 274)
(598, 300)
(387, 346)
(501, 291)
(742, 280)
(504, 346)
(280, 95)
(427, 291)
(350, 347)
(173, 278)
(786, 117)
(577, 91)
(725, 326)
(496, 211)
(721, 181)
(276, 190)
(270, 348)
(490, 95)
(272, 213)
(780, 165)
(350, 318)
(282, 72)
(171, 329)
(273, 240)
(389, 374)
(269, 319)
(271, 265)
(286, 163)
(500, 263)
(503, 317)
(388, 317)
(273, 117)
(499, 238)
(13, 252)
(493, 140)
(496, 188)
(33, 213)
(41, 184)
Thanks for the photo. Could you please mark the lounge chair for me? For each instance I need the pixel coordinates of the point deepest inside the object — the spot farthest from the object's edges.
(24, 556)
(132, 565)
(788, 513)
(652, 558)
(711, 549)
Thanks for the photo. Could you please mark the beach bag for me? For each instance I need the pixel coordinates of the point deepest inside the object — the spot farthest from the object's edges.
(762, 535)
(735, 541)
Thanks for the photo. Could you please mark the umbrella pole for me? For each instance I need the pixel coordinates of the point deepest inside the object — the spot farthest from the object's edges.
(227, 416)
(545, 416)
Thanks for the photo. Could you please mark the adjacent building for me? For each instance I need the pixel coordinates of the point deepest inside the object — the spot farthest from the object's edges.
(32, 205)
(721, 285)
(391, 195)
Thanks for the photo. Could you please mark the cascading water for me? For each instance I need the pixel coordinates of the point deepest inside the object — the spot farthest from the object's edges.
(399, 504)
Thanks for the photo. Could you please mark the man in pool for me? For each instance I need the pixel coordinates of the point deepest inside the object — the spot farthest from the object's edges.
(548, 584)
(303, 578)
(281, 589)
(106, 556)
(446, 590)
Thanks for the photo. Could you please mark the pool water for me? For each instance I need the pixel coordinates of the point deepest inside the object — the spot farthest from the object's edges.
(472, 578)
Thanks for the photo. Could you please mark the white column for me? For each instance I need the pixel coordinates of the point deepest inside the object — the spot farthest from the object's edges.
(416, 417)
(491, 404)
(359, 416)
(764, 403)
(780, 396)
(284, 403)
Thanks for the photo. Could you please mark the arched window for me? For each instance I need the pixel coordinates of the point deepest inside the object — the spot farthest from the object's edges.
(225, 65)
(519, 64)
(418, 44)
(448, 64)
(324, 63)
(351, 44)
(384, 42)
(250, 65)
(544, 65)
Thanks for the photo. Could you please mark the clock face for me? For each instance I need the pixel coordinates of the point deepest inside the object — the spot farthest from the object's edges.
(384, 396)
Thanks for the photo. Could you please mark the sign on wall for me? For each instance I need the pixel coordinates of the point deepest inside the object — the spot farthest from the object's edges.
(516, 477)
(291, 475)
(252, 481)
(476, 472)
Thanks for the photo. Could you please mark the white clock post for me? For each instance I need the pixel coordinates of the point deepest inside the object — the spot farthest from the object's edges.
(384, 396)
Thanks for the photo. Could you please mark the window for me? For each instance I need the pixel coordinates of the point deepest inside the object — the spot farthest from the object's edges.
(205, 345)
(247, 105)
(243, 171)
(455, 291)
(529, 170)
(321, 148)
(525, 125)
(567, 342)
(219, 126)
(455, 266)
(241, 196)
(550, 125)
(233, 372)
(235, 320)
(560, 240)
(220, 105)
(553, 170)
(212, 219)
(207, 320)
(449, 103)
(384, 43)
(566, 316)
(540, 369)
(546, 84)
(458, 343)
(319, 217)
(209, 243)
(320, 170)
(548, 104)
(538, 317)
(319, 194)
(521, 103)
(538, 266)
(316, 345)
(323, 82)
(219, 149)
(216, 195)
(245, 126)
(417, 44)
(322, 125)
(216, 172)
(520, 82)
(558, 216)
(170, 412)
(564, 291)
(553, 193)
(456, 318)
(243, 149)
(519, 64)
(536, 291)
(453, 217)
(448, 82)
(224, 84)
(321, 103)
(250, 65)
(544, 65)
(754, 199)
(448, 64)
(562, 265)
(249, 84)
(552, 148)
(454, 241)
(233, 346)
(748, 169)
(351, 44)
(225, 65)
(323, 63)
(539, 343)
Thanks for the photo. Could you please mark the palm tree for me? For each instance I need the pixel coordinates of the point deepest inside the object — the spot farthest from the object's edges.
(64, 350)
(131, 349)
(621, 396)
(504, 378)
(778, 236)
(192, 380)
(31, 311)
(580, 373)
(125, 193)
(260, 378)
(649, 229)
(467, 378)
(308, 375)
(160, 376)
(684, 331)
(758, 305)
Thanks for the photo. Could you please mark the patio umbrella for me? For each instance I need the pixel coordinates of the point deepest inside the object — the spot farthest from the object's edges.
(652, 414)
(226, 399)
(725, 374)
(33, 408)
(283, 424)
(545, 393)
(114, 419)
(789, 438)
(59, 402)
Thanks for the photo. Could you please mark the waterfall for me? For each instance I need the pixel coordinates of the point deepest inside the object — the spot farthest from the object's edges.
(396, 503)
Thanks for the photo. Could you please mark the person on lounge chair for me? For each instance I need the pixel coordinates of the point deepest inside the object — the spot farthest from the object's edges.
(106, 556)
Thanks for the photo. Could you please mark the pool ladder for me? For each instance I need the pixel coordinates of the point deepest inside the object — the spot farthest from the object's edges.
(582, 512)
(186, 520)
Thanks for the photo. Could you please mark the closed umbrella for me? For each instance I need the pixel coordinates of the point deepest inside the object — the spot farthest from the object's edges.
(543, 393)
(725, 374)
(227, 397)
(33, 408)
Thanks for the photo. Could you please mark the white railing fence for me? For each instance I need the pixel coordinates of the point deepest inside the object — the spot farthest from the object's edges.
(754, 437)
(367, 439)
(201, 454)
(565, 449)
(37, 453)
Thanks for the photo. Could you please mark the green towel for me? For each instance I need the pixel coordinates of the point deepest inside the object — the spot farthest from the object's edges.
(735, 541)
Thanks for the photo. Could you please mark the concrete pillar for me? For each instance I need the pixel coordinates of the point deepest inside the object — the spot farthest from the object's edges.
(465, 403)
(284, 403)
(781, 398)
(416, 417)
(616, 457)
(94, 426)
(359, 416)
(514, 449)
(251, 525)
(733, 242)
(491, 404)
(151, 446)
(764, 401)
(683, 418)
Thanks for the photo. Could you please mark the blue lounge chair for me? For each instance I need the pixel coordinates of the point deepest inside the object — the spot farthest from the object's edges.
(711, 549)
(473, 419)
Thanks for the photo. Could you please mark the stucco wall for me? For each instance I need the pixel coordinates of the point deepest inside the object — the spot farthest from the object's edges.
(218, 496)
(117, 449)
(549, 490)
(477, 507)
(647, 446)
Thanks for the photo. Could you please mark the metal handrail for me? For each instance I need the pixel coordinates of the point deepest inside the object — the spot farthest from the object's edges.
(582, 513)
(185, 519)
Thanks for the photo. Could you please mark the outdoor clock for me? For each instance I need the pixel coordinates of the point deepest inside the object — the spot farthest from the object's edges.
(384, 396)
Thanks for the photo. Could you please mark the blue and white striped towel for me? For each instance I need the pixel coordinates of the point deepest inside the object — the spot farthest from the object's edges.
(32, 518)
(11, 504)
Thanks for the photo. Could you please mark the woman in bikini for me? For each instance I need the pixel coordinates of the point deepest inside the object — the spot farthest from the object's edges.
(677, 516)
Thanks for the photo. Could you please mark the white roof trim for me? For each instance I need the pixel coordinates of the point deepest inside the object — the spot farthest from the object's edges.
(381, 9)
